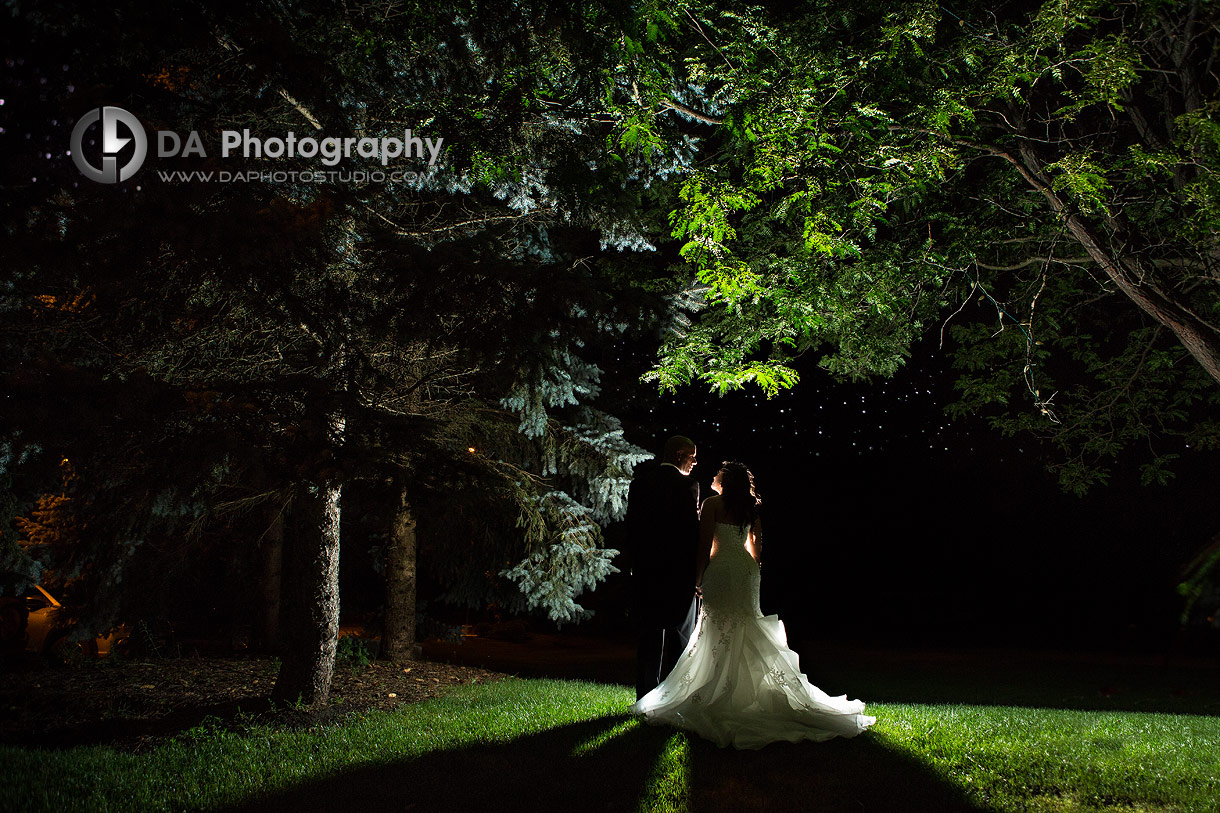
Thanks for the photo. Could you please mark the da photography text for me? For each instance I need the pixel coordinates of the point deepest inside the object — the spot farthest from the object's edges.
(331, 150)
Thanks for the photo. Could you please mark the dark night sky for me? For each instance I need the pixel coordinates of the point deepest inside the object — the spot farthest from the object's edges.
(887, 522)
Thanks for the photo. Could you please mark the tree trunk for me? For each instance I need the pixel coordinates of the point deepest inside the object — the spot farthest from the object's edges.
(311, 628)
(398, 632)
(271, 560)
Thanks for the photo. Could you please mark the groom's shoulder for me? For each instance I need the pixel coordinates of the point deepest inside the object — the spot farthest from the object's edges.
(671, 474)
(644, 477)
(646, 469)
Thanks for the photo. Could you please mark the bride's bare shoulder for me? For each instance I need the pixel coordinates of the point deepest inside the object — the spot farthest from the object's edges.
(713, 504)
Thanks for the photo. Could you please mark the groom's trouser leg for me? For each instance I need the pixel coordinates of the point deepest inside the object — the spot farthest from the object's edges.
(649, 651)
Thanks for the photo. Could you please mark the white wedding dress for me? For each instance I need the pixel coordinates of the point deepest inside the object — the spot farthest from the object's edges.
(737, 682)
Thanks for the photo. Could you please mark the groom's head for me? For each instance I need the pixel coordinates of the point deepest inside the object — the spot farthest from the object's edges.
(680, 451)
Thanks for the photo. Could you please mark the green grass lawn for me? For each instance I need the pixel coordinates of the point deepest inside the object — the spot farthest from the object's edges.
(567, 745)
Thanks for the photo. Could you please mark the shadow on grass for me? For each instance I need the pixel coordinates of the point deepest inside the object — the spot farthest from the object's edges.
(618, 764)
(126, 731)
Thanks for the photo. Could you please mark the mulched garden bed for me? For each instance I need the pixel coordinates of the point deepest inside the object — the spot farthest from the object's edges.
(136, 704)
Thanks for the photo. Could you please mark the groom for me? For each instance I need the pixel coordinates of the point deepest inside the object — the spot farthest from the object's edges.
(663, 540)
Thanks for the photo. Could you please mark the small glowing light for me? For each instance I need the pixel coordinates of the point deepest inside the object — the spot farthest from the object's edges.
(470, 449)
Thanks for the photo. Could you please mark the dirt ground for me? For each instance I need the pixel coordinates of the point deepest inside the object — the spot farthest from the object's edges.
(135, 704)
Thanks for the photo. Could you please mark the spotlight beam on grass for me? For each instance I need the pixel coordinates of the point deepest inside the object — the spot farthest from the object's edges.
(668, 788)
(593, 743)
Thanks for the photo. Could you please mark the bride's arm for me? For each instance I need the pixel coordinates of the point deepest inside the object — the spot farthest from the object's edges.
(756, 540)
(707, 530)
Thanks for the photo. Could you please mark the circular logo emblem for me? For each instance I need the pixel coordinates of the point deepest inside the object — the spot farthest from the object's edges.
(111, 118)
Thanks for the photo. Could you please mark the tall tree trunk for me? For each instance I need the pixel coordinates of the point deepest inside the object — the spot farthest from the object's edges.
(311, 628)
(311, 622)
(398, 632)
(271, 561)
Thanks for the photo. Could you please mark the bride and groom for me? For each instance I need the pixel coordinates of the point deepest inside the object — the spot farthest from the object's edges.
(717, 667)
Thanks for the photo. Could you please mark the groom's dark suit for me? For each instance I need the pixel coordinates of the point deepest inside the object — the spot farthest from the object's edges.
(663, 541)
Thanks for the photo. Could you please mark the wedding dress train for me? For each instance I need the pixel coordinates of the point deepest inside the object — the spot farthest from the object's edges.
(737, 682)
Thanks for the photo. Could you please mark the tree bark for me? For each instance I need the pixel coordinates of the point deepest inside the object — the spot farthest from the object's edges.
(398, 631)
(311, 628)
(271, 560)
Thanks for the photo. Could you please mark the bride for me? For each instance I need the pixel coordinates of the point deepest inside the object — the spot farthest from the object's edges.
(737, 682)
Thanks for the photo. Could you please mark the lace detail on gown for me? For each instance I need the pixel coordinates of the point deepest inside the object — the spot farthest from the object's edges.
(737, 683)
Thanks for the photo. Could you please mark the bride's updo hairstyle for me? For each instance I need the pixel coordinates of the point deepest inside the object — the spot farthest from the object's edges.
(737, 492)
